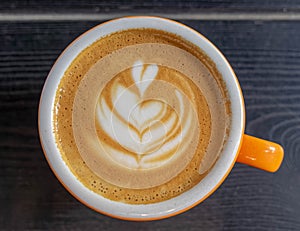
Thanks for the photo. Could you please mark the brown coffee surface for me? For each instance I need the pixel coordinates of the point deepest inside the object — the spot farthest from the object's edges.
(176, 125)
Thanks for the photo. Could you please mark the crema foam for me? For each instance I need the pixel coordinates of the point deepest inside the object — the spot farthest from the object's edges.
(141, 120)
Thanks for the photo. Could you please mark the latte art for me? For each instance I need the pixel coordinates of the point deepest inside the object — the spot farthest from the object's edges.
(138, 130)
(147, 131)
(140, 116)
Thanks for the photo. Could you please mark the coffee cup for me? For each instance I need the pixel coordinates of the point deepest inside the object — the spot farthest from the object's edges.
(142, 118)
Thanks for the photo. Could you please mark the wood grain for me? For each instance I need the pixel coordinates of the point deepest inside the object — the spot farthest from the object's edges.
(265, 57)
(164, 6)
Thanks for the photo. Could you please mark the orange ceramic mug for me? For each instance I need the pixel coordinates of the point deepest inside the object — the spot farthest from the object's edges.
(239, 147)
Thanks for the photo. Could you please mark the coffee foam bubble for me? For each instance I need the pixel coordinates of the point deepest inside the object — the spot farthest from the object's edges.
(131, 124)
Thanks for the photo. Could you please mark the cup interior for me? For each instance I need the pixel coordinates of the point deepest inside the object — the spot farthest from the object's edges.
(166, 208)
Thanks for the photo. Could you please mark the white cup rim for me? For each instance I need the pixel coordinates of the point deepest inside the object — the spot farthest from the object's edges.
(175, 205)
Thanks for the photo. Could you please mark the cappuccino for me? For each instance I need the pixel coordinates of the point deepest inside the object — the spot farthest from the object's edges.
(140, 116)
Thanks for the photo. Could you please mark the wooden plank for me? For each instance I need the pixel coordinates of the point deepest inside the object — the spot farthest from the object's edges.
(265, 56)
(148, 6)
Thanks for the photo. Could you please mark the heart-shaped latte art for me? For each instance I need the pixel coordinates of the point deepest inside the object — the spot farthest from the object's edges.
(144, 127)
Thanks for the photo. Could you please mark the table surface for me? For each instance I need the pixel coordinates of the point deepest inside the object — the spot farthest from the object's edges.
(259, 38)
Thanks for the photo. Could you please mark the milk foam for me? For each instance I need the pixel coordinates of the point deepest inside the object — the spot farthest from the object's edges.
(132, 124)
(199, 81)
(146, 127)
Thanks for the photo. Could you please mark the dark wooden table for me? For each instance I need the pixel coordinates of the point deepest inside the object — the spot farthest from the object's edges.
(261, 39)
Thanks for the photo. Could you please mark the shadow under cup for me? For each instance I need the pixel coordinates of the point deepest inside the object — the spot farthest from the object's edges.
(150, 211)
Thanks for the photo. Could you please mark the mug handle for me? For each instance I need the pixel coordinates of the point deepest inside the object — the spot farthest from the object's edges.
(260, 153)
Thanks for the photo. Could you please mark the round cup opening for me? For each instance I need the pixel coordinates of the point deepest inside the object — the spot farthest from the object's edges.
(150, 211)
